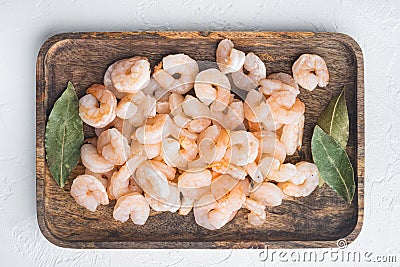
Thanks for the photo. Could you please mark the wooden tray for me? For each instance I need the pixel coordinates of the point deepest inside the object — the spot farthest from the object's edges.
(314, 221)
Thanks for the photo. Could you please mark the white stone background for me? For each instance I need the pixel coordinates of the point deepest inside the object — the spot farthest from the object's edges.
(25, 25)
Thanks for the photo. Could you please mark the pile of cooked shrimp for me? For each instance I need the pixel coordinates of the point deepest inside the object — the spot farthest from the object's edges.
(161, 145)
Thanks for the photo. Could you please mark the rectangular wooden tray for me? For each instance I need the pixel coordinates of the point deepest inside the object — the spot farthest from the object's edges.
(314, 221)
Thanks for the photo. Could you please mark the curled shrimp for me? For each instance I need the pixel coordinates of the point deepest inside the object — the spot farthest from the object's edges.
(194, 108)
(131, 75)
(170, 203)
(89, 192)
(282, 112)
(273, 170)
(304, 182)
(212, 86)
(224, 167)
(271, 146)
(152, 132)
(128, 105)
(257, 213)
(275, 84)
(212, 214)
(228, 58)
(121, 181)
(122, 126)
(198, 125)
(152, 180)
(286, 79)
(255, 107)
(132, 205)
(193, 185)
(244, 148)
(94, 161)
(292, 136)
(113, 146)
(267, 194)
(256, 71)
(309, 71)
(232, 118)
(181, 65)
(168, 171)
(97, 107)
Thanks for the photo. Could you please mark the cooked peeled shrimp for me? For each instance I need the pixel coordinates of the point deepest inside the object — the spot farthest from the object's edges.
(201, 209)
(212, 86)
(109, 84)
(244, 148)
(170, 203)
(127, 106)
(272, 147)
(198, 125)
(171, 153)
(146, 109)
(132, 205)
(283, 113)
(168, 171)
(152, 180)
(255, 107)
(309, 71)
(175, 101)
(254, 172)
(194, 108)
(267, 194)
(131, 75)
(183, 66)
(89, 192)
(194, 184)
(273, 170)
(255, 72)
(286, 79)
(121, 179)
(306, 179)
(224, 167)
(292, 136)
(222, 185)
(94, 161)
(229, 59)
(213, 214)
(113, 146)
(272, 85)
(97, 108)
(257, 213)
(152, 132)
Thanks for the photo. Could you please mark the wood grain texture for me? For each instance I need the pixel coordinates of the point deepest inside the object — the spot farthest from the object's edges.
(315, 221)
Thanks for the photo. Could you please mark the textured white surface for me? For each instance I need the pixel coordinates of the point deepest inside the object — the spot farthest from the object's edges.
(24, 25)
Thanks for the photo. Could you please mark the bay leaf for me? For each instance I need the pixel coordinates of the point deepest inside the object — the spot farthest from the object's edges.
(334, 120)
(64, 136)
(333, 164)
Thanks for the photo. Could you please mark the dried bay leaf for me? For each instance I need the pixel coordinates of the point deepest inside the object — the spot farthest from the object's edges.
(64, 136)
(333, 164)
(334, 120)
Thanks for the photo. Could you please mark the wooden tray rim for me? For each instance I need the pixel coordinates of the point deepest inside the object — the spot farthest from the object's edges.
(41, 116)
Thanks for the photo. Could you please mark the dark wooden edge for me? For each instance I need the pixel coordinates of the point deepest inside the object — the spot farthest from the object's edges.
(349, 42)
